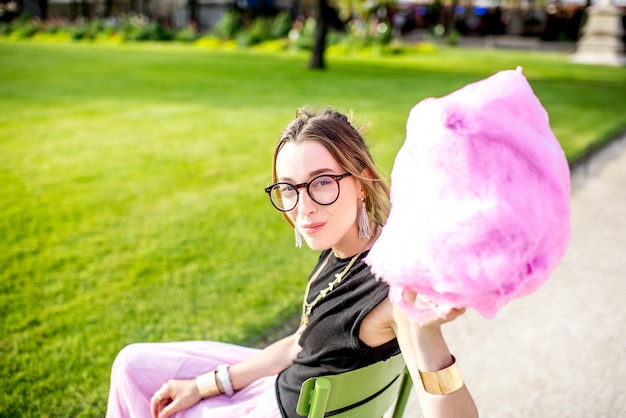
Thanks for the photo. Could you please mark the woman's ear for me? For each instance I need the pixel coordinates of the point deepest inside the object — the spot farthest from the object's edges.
(366, 175)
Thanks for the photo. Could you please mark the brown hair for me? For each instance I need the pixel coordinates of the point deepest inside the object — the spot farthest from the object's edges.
(345, 143)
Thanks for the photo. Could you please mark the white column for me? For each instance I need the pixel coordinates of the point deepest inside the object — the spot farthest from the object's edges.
(601, 42)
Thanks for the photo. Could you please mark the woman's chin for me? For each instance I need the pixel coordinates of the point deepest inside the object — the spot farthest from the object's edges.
(316, 245)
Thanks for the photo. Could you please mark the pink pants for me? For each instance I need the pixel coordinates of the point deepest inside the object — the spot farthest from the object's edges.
(140, 369)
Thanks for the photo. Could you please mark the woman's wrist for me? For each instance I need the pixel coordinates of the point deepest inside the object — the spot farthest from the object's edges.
(443, 381)
(426, 331)
(223, 379)
(215, 383)
(437, 368)
(431, 350)
(207, 385)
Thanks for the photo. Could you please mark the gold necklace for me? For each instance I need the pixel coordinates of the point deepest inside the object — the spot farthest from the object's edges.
(308, 307)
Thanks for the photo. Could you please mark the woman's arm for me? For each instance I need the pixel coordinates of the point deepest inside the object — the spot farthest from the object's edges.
(271, 360)
(424, 348)
(181, 394)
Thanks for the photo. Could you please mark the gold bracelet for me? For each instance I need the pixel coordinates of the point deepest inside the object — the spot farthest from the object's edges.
(207, 385)
(443, 381)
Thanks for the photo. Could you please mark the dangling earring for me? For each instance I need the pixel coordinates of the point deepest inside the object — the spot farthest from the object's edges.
(365, 230)
(298, 238)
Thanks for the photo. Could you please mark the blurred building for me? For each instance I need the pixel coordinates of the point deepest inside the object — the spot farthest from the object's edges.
(549, 20)
(177, 12)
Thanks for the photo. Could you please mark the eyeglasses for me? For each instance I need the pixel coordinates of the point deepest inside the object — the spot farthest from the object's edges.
(324, 190)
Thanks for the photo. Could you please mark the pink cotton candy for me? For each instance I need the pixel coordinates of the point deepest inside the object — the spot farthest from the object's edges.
(480, 201)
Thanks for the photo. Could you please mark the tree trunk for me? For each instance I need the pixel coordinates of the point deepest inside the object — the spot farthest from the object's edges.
(85, 11)
(319, 46)
(43, 9)
(296, 9)
(73, 10)
(108, 8)
(451, 23)
(193, 11)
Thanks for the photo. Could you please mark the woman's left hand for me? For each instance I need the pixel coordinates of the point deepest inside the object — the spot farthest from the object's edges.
(424, 348)
(435, 323)
(174, 396)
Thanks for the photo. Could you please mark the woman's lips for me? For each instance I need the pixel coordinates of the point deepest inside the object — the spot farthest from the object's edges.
(311, 228)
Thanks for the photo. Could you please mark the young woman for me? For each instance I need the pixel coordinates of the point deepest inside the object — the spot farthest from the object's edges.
(328, 189)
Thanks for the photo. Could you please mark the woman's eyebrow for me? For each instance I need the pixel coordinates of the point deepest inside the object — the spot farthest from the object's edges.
(312, 174)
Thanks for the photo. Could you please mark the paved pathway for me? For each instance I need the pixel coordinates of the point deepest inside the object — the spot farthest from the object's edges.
(561, 351)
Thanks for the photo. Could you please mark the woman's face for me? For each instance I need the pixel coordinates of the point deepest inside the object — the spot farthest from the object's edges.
(322, 226)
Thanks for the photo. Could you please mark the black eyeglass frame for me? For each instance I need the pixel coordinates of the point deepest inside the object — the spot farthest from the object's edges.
(297, 187)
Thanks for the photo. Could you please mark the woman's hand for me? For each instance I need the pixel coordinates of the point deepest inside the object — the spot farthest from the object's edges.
(424, 348)
(174, 396)
(427, 337)
(419, 301)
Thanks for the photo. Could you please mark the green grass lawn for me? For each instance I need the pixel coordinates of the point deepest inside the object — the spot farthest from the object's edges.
(131, 191)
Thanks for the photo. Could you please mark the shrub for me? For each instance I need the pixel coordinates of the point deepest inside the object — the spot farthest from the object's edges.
(422, 48)
(274, 45)
(208, 42)
(186, 34)
(302, 35)
(453, 38)
(229, 25)
(259, 31)
(58, 37)
(281, 25)
(80, 30)
(383, 33)
(360, 35)
(138, 28)
(24, 30)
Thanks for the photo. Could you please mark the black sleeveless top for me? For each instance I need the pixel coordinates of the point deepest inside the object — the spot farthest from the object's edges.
(330, 342)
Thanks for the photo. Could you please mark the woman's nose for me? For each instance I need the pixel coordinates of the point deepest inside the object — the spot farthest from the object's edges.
(305, 203)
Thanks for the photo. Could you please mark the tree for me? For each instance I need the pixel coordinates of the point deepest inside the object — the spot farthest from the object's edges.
(108, 8)
(43, 9)
(193, 11)
(326, 17)
(319, 46)
(451, 23)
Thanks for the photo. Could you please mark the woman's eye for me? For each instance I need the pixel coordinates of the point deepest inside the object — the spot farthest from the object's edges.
(324, 181)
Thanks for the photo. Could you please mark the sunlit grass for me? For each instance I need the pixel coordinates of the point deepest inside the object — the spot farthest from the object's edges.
(131, 184)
